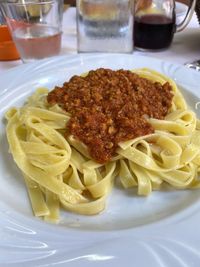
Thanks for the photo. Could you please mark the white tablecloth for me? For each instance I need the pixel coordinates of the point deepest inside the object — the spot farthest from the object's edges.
(185, 46)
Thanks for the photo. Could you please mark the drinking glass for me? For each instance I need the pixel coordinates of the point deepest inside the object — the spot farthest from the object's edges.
(35, 26)
(105, 25)
(155, 23)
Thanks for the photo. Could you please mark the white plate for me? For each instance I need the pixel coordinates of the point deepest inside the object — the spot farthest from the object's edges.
(160, 231)
(181, 10)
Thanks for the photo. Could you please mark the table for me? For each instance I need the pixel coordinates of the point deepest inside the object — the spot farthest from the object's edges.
(185, 46)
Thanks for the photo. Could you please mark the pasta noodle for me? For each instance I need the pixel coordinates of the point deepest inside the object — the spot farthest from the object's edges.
(59, 171)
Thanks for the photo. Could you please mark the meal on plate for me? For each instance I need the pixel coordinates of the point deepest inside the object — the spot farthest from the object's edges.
(73, 142)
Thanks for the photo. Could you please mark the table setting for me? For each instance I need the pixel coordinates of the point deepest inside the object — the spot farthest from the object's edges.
(62, 201)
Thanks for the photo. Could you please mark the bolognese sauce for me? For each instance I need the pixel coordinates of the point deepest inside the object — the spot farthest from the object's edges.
(108, 107)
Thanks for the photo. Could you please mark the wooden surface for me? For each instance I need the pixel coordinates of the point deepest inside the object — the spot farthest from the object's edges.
(183, 1)
(70, 2)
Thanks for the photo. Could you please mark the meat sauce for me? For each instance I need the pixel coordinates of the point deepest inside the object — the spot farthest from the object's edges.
(108, 107)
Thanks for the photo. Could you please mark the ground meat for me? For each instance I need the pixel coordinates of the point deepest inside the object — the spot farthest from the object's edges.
(108, 107)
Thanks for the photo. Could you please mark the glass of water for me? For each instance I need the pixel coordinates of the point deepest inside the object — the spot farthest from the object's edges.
(105, 25)
(35, 26)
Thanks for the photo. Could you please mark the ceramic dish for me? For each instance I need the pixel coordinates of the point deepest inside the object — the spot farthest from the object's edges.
(160, 230)
(181, 10)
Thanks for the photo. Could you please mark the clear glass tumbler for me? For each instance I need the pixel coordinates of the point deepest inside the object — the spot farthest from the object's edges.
(36, 27)
(105, 25)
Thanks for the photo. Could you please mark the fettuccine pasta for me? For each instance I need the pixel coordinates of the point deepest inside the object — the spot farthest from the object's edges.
(59, 171)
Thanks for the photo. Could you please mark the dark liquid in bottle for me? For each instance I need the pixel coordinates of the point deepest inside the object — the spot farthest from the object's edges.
(153, 31)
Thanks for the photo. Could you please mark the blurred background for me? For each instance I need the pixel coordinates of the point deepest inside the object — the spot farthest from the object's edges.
(73, 2)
